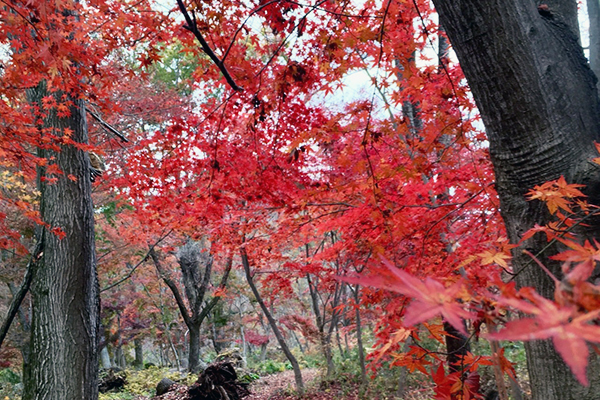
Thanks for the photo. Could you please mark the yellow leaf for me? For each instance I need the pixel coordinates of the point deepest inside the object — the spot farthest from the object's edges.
(490, 257)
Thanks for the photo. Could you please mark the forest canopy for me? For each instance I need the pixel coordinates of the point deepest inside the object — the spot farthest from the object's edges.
(388, 183)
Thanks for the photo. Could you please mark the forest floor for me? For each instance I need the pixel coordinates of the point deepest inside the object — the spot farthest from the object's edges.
(281, 386)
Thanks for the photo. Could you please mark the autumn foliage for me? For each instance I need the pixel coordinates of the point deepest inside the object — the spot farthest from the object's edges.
(313, 180)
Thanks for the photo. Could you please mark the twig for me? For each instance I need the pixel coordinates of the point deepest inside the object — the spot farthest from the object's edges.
(132, 270)
(550, 243)
(107, 126)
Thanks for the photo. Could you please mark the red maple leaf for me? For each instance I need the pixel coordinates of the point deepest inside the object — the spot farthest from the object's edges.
(568, 329)
(430, 297)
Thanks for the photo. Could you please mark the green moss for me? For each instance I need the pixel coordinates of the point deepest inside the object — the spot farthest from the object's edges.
(143, 383)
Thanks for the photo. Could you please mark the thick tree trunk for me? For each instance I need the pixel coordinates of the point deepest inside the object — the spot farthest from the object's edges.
(65, 294)
(457, 346)
(538, 100)
(566, 12)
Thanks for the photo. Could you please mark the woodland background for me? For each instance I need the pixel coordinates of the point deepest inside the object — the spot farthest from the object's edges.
(310, 183)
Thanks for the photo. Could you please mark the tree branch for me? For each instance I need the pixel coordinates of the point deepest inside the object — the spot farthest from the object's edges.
(169, 282)
(201, 291)
(20, 295)
(132, 270)
(107, 126)
(213, 302)
(193, 27)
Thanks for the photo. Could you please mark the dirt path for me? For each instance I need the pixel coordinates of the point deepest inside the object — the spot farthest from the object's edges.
(280, 386)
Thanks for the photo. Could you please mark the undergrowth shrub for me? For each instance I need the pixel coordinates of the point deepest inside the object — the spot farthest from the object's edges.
(144, 382)
(10, 384)
(269, 367)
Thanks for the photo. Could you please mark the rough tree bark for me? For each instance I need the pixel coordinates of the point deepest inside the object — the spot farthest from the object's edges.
(539, 103)
(65, 294)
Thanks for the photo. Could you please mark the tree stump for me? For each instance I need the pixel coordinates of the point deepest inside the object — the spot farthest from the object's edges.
(217, 382)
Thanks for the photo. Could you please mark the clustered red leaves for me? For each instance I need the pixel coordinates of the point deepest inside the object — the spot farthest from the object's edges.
(570, 320)
(278, 166)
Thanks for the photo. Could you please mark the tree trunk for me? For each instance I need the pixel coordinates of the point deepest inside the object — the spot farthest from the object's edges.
(359, 340)
(119, 360)
(263, 352)
(65, 294)
(457, 346)
(105, 358)
(139, 352)
(326, 346)
(593, 8)
(566, 12)
(324, 337)
(214, 337)
(196, 285)
(403, 378)
(194, 350)
(539, 103)
(273, 324)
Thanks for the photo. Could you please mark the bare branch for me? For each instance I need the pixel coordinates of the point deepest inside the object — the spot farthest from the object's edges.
(132, 270)
(169, 282)
(213, 302)
(20, 295)
(193, 27)
(107, 126)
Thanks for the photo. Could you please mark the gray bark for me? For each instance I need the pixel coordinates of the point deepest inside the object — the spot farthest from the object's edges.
(280, 339)
(105, 358)
(65, 294)
(194, 348)
(593, 7)
(565, 11)
(538, 100)
(359, 338)
(139, 352)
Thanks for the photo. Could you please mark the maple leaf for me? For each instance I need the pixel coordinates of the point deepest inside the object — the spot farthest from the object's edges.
(597, 159)
(436, 331)
(399, 336)
(568, 330)
(505, 365)
(556, 194)
(585, 257)
(430, 297)
(414, 360)
(473, 361)
(494, 257)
